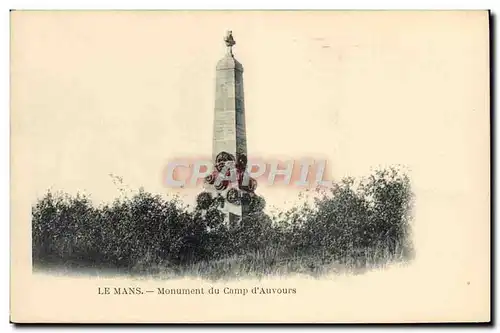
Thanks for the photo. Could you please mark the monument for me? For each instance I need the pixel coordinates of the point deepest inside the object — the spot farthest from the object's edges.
(229, 183)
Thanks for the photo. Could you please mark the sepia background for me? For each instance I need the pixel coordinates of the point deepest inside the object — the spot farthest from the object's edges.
(100, 93)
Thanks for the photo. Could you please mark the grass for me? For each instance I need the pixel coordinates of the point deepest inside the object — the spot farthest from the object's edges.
(262, 264)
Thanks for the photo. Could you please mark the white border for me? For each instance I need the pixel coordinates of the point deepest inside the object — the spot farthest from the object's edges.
(251, 4)
(186, 4)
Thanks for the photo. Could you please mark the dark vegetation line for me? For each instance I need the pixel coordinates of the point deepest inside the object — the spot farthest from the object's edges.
(351, 225)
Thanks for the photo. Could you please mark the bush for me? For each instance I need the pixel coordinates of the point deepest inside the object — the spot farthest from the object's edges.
(367, 221)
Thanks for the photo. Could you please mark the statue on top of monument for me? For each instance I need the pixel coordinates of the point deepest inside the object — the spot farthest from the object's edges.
(229, 40)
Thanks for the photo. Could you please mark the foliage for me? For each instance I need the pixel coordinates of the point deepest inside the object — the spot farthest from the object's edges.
(356, 224)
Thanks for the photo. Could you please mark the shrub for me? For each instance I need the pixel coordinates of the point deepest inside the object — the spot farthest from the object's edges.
(353, 221)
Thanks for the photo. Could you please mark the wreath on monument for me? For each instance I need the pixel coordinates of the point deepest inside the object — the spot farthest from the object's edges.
(222, 160)
(210, 179)
(257, 204)
(249, 186)
(204, 200)
(221, 185)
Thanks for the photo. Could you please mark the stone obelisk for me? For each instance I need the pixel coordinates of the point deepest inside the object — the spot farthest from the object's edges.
(229, 118)
(229, 149)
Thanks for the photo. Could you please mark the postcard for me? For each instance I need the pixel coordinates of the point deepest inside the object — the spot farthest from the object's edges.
(250, 166)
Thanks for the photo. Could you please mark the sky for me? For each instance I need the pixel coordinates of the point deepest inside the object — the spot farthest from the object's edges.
(123, 93)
